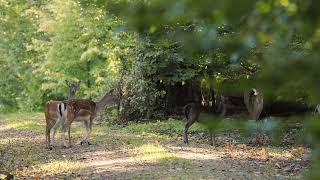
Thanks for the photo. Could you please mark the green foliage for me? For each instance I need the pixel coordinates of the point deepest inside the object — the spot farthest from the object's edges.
(46, 42)
(145, 46)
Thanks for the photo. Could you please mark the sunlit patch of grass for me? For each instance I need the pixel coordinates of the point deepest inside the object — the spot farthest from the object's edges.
(56, 167)
(2, 176)
(23, 122)
(152, 152)
(298, 151)
(279, 153)
(261, 153)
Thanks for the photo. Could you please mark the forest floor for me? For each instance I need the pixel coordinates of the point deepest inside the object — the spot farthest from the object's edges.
(153, 150)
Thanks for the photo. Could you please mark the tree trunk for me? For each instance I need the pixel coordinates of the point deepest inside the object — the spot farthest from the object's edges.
(120, 97)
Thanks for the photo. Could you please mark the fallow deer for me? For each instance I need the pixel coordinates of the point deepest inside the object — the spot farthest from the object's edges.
(83, 110)
(317, 109)
(253, 100)
(50, 109)
(195, 112)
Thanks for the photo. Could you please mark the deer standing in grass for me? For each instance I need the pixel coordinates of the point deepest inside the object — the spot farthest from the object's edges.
(194, 112)
(83, 110)
(253, 100)
(50, 109)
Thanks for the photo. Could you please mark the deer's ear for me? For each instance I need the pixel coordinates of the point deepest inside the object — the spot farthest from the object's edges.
(79, 82)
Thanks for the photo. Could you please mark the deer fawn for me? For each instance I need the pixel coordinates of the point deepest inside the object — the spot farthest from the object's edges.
(80, 110)
(50, 109)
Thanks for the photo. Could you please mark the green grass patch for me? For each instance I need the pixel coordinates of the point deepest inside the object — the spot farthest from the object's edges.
(176, 162)
(152, 152)
(172, 127)
(22, 122)
(168, 127)
(57, 167)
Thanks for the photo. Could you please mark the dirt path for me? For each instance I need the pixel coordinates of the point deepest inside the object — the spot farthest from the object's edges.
(117, 153)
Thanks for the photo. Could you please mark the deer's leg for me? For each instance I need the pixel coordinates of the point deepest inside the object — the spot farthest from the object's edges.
(54, 130)
(66, 126)
(187, 126)
(90, 129)
(49, 124)
(48, 128)
(69, 136)
(212, 138)
(63, 135)
(52, 134)
(86, 124)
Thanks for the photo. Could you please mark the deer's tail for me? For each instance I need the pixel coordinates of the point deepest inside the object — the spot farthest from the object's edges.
(62, 107)
(62, 114)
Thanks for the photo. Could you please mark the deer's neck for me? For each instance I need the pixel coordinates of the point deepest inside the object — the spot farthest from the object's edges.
(105, 100)
(71, 96)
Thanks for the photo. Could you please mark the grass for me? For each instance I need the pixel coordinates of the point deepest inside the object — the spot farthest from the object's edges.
(20, 154)
(21, 149)
(22, 122)
(169, 127)
(152, 152)
(23, 152)
(156, 153)
(57, 167)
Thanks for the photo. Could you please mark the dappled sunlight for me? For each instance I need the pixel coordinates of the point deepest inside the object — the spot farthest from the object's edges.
(31, 122)
(152, 152)
(142, 150)
(241, 151)
(22, 125)
(54, 167)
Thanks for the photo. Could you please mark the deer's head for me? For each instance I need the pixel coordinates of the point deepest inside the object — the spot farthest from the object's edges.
(73, 87)
(110, 97)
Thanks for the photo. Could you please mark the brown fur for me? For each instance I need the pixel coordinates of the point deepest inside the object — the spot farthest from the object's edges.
(254, 103)
(82, 110)
(50, 110)
(78, 104)
(194, 113)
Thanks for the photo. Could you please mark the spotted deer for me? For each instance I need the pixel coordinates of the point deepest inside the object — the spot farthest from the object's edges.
(83, 110)
(50, 109)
